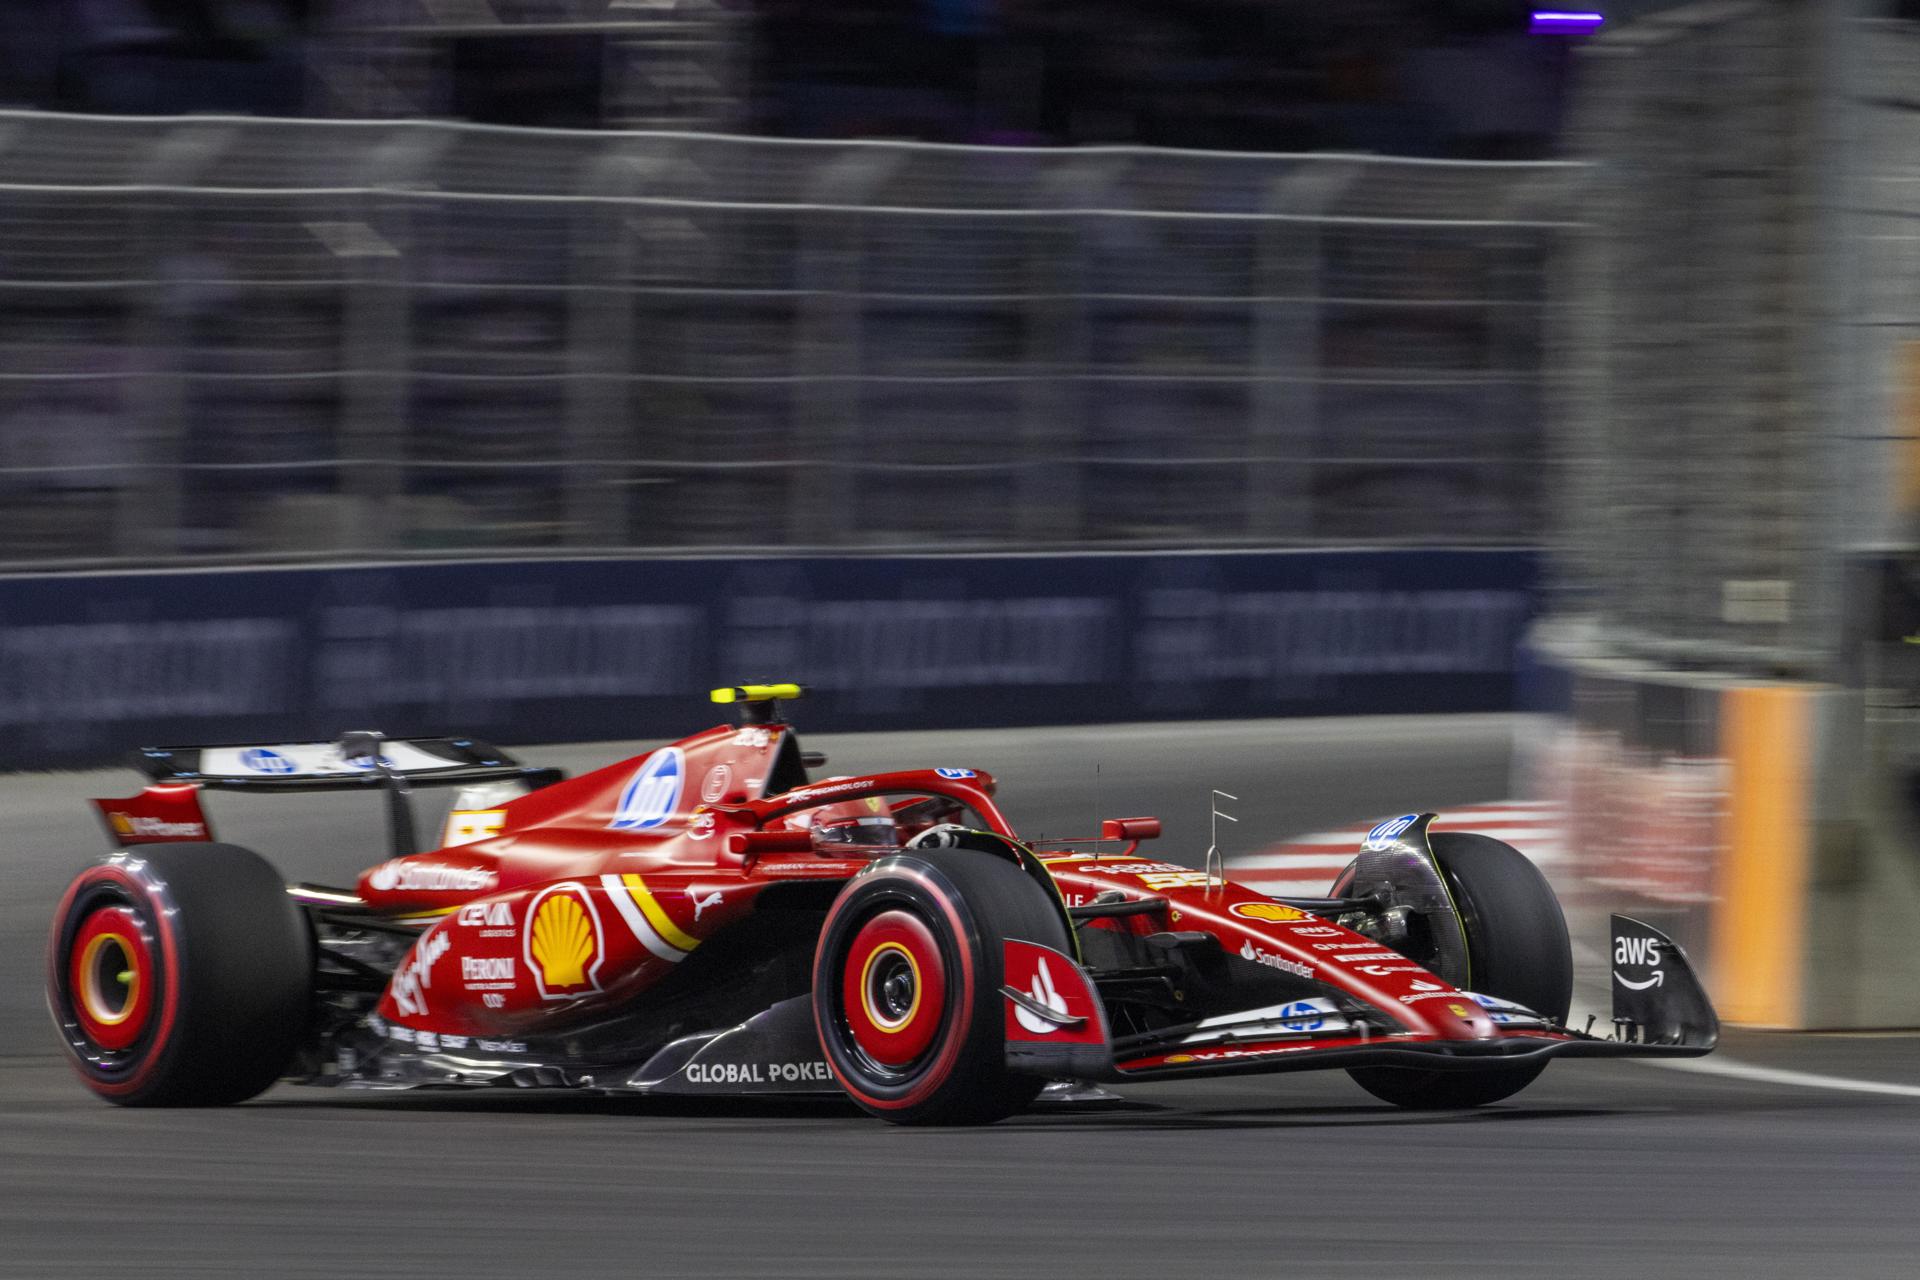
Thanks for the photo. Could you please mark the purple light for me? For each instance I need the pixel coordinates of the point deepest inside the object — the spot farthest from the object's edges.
(1566, 22)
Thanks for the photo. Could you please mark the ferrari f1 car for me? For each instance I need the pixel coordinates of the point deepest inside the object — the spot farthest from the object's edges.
(708, 919)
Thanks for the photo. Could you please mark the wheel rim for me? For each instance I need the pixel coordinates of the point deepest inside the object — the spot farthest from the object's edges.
(893, 996)
(110, 978)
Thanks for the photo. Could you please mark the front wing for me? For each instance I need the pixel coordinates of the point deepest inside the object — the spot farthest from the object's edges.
(1055, 1026)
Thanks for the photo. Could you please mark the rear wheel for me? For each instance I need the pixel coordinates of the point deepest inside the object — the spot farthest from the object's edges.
(179, 975)
(1517, 949)
(906, 984)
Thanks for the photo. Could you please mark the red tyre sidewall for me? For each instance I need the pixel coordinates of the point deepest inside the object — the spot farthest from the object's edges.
(961, 1014)
(901, 932)
(119, 926)
(117, 880)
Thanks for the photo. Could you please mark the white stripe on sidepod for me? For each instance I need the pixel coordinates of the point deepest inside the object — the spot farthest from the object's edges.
(630, 912)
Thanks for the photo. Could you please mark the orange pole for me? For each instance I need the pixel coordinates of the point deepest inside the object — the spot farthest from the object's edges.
(1906, 472)
(1760, 912)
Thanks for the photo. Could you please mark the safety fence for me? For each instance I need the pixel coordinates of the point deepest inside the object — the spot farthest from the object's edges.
(237, 338)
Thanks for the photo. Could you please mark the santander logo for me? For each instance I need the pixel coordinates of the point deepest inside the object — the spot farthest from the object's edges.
(1044, 993)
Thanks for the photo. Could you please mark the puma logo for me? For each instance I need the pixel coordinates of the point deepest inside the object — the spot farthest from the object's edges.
(701, 904)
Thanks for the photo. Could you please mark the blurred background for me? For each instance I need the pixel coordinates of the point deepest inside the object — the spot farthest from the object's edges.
(1097, 257)
(1357, 405)
(522, 367)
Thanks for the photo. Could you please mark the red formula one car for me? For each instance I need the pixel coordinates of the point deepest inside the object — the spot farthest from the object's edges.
(705, 919)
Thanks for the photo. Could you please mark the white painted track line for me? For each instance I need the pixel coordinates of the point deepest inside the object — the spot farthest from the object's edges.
(1734, 1069)
(1592, 992)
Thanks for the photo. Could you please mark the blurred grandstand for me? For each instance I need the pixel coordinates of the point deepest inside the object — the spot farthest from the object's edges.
(225, 337)
(1423, 76)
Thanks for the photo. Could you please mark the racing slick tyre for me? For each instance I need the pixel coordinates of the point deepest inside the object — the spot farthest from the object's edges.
(179, 975)
(906, 984)
(1517, 949)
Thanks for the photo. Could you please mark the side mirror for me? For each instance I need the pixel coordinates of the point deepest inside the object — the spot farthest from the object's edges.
(752, 843)
(1130, 829)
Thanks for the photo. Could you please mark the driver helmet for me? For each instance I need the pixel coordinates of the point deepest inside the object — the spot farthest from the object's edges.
(862, 823)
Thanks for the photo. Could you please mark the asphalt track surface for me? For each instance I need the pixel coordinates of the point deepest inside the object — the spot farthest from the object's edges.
(1600, 1169)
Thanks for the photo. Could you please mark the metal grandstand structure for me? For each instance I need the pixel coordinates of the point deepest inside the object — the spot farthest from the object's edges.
(226, 338)
(647, 64)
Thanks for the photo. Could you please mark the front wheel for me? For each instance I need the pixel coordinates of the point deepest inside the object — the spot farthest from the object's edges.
(1517, 949)
(179, 975)
(906, 984)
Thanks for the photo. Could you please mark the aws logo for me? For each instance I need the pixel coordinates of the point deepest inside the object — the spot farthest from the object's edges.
(564, 945)
(1635, 952)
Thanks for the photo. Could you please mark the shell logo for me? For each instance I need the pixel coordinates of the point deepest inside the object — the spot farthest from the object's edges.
(122, 824)
(563, 942)
(1273, 911)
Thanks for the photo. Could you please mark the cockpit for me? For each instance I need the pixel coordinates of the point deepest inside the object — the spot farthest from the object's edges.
(873, 825)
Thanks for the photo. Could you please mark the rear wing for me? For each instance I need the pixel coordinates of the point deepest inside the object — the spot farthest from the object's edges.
(169, 808)
(344, 765)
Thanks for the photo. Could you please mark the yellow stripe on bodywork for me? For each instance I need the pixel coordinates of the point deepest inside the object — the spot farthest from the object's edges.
(656, 916)
(1760, 921)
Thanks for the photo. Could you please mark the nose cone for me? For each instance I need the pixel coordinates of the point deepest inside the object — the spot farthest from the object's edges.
(1458, 1018)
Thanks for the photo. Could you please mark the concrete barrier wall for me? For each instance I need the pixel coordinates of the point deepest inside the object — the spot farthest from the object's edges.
(1749, 819)
(517, 651)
